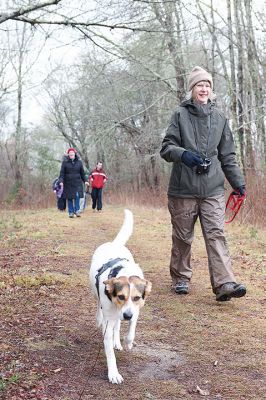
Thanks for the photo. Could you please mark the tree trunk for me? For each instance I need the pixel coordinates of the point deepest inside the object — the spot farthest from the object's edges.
(240, 81)
(167, 15)
(256, 87)
(232, 82)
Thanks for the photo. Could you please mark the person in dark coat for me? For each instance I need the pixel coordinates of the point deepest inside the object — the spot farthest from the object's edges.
(200, 146)
(71, 178)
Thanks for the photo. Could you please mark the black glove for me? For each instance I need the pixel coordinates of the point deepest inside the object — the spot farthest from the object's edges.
(191, 159)
(241, 190)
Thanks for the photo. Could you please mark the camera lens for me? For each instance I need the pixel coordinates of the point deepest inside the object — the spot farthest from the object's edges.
(204, 167)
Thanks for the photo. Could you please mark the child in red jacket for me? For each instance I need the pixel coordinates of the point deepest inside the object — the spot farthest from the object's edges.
(97, 178)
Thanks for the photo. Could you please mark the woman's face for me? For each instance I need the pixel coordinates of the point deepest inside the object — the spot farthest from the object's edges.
(201, 92)
(71, 155)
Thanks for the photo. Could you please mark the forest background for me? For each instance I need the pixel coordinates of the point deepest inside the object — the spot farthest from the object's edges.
(105, 76)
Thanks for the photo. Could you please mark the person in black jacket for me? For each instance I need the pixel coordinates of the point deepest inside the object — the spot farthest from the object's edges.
(72, 177)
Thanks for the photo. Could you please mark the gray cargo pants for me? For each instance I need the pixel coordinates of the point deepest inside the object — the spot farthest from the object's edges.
(184, 213)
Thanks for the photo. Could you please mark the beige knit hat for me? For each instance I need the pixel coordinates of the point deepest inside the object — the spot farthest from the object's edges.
(198, 74)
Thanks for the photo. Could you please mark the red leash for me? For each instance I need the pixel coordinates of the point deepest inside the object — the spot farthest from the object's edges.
(234, 202)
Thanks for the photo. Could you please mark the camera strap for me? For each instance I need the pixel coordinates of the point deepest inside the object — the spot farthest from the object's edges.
(196, 135)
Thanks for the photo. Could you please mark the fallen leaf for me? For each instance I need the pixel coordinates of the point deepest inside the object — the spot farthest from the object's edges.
(202, 392)
(57, 370)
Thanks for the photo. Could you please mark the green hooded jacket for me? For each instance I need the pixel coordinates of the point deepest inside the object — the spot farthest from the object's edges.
(203, 130)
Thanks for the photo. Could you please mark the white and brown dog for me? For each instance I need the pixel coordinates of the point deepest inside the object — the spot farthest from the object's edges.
(119, 285)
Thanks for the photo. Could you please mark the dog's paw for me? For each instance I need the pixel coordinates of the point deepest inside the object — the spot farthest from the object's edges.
(115, 377)
(118, 346)
(129, 343)
(129, 346)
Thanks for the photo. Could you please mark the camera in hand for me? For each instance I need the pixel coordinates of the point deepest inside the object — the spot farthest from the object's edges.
(204, 167)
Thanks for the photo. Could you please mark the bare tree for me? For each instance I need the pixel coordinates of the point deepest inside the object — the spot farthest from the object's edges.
(115, 102)
(21, 62)
(256, 87)
(232, 82)
(17, 151)
(169, 16)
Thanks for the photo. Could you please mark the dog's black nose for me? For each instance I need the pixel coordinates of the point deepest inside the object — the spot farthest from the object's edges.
(127, 315)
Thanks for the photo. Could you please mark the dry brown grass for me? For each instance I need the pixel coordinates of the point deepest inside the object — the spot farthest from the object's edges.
(49, 343)
(252, 213)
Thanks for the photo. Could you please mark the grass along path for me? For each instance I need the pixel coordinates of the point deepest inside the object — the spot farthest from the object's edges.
(188, 347)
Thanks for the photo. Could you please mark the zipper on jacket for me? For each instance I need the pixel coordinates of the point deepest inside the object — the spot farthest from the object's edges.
(196, 136)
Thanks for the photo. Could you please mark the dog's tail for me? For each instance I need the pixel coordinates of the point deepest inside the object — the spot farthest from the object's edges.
(126, 229)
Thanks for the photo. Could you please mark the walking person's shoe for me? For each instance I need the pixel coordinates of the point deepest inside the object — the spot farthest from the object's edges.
(78, 214)
(230, 289)
(182, 287)
(71, 215)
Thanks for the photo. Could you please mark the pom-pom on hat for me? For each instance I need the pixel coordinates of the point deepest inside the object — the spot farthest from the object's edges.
(198, 74)
(71, 149)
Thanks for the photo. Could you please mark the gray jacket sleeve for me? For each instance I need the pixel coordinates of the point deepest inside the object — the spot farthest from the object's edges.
(227, 157)
(172, 149)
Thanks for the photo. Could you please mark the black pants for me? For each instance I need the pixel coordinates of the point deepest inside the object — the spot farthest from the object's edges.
(61, 204)
(96, 195)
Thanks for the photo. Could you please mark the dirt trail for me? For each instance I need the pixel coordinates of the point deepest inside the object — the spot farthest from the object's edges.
(187, 347)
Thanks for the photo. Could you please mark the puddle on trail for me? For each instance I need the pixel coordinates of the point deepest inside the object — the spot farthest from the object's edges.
(159, 363)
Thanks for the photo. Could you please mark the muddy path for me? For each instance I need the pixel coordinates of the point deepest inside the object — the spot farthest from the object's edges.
(187, 347)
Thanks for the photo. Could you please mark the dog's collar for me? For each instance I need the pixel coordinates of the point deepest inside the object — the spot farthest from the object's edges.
(114, 271)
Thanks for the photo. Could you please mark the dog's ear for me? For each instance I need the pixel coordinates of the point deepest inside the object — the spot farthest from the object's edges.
(148, 287)
(142, 285)
(109, 285)
(114, 285)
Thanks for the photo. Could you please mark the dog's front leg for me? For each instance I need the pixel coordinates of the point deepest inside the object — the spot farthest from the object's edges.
(99, 316)
(117, 342)
(129, 339)
(113, 374)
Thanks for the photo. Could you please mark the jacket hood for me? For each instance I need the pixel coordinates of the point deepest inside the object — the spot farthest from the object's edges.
(200, 110)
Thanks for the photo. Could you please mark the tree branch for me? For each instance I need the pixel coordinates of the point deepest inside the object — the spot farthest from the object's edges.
(26, 10)
(73, 24)
(131, 58)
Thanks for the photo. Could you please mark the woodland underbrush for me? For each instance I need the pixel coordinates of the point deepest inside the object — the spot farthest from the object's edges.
(253, 212)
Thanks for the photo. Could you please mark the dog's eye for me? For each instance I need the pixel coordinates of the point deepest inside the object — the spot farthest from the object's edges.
(136, 298)
(121, 297)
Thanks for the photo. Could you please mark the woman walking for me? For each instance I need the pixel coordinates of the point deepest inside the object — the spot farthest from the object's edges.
(72, 177)
(200, 146)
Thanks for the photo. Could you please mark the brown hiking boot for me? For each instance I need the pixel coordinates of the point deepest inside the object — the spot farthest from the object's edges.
(230, 289)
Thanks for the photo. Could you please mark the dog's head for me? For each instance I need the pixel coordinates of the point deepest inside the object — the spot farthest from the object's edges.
(128, 294)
